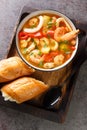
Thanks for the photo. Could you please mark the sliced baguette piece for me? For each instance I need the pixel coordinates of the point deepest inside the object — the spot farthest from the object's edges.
(13, 68)
(23, 89)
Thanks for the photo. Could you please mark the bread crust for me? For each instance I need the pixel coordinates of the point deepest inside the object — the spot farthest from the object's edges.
(24, 89)
(13, 68)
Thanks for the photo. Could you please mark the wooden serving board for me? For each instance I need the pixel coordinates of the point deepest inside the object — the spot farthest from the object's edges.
(34, 106)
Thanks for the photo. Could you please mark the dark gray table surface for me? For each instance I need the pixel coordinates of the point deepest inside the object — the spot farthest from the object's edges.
(77, 115)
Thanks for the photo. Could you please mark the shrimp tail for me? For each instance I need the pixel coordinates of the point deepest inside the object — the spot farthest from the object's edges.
(71, 35)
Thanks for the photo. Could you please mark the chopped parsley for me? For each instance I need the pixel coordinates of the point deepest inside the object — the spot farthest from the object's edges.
(31, 53)
(49, 36)
(40, 53)
(64, 47)
(45, 45)
(24, 51)
(65, 42)
(33, 26)
(41, 63)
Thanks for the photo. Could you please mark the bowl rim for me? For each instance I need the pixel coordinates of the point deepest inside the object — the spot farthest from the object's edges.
(38, 12)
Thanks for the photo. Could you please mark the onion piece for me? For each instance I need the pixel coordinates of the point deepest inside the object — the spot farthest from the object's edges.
(33, 30)
(53, 45)
(63, 20)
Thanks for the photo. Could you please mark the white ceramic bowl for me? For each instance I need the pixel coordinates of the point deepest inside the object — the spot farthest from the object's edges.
(45, 12)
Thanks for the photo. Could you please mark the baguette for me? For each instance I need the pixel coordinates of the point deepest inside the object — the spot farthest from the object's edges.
(23, 89)
(13, 68)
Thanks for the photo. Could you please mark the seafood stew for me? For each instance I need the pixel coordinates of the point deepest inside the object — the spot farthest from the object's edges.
(47, 41)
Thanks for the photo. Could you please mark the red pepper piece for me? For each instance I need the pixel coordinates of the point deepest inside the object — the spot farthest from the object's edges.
(23, 35)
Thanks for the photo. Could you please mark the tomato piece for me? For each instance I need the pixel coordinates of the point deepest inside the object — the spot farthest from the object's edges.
(54, 53)
(49, 57)
(50, 33)
(68, 56)
(72, 48)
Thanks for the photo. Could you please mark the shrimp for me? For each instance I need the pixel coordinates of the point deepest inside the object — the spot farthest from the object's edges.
(32, 44)
(45, 50)
(31, 47)
(35, 56)
(33, 22)
(23, 43)
(60, 31)
(54, 19)
(73, 42)
(59, 59)
(63, 20)
(48, 65)
(69, 36)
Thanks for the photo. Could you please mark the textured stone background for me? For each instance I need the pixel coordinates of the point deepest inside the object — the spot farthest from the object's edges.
(77, 114)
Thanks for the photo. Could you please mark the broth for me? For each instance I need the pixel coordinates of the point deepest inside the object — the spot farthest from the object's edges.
(47, 41)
